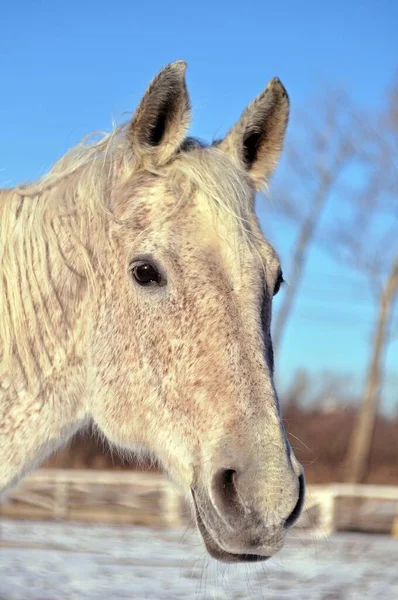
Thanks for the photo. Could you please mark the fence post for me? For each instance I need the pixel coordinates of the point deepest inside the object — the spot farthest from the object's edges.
(326, 511)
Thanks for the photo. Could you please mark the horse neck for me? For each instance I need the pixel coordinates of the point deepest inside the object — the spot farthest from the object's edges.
(42, 365)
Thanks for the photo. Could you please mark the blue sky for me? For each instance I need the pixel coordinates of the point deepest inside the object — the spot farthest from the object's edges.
(69, 68)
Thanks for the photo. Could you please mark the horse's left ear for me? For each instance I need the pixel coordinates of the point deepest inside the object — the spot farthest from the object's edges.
(256, 141)
(161, 120)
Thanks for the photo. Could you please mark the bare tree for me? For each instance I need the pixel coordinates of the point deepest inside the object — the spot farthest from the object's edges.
(309, 391)
(370, 240)
(353, 157)
(361, 443)
(321, 152)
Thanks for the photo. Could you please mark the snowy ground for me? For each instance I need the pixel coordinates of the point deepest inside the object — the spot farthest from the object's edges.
(63, 561)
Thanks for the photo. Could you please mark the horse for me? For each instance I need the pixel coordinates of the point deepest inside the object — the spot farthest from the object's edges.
(136, 292)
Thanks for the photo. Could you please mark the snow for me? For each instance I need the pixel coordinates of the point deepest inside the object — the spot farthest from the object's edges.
(65, 561)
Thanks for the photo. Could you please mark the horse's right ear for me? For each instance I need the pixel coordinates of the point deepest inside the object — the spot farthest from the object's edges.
(162, 118)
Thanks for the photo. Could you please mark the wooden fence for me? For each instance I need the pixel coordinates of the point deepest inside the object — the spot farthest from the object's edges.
(150, 499)
(353, 507)
(96, 496)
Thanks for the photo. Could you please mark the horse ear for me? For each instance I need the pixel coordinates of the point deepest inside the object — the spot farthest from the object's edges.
(161, 120)
(256, 141)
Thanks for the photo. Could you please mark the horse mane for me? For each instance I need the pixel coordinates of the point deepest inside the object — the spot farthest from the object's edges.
(76, 192)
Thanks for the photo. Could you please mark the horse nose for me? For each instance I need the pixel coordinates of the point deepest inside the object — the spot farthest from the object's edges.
(237, 496)
(225, 494)
(294, 515)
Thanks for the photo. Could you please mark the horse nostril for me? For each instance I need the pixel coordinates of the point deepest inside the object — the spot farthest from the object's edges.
(224, 491)
(299, 505)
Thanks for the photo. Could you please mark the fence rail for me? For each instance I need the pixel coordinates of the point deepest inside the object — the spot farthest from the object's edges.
(98, 496)
(150, 499)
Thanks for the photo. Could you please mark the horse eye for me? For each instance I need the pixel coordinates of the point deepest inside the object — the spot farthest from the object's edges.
(278, 283)
(146, 274)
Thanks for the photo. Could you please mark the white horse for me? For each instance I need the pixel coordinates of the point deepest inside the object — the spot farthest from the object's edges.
(135, 293)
